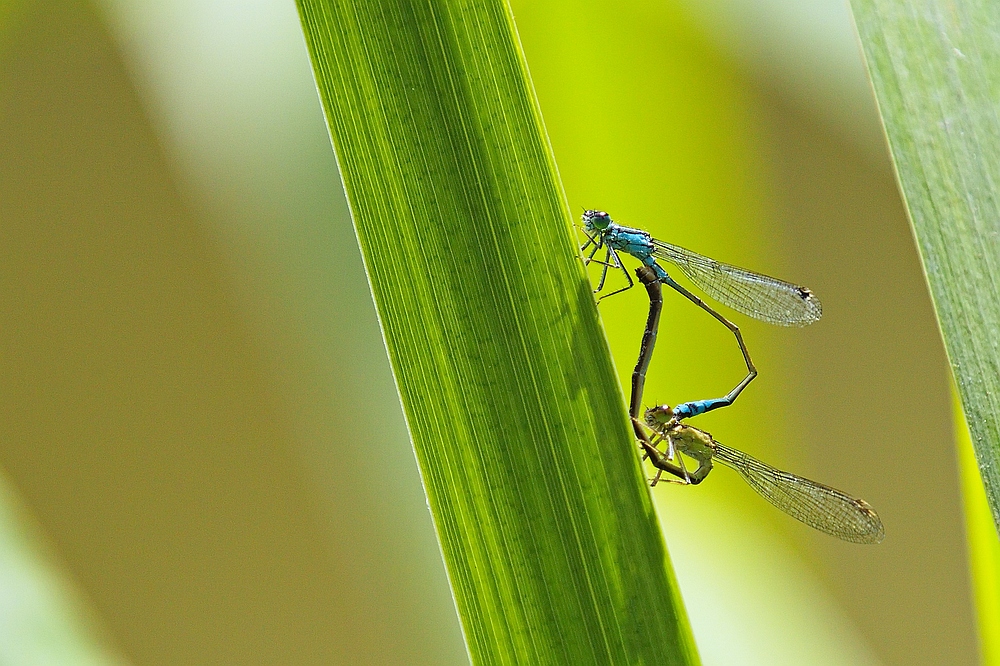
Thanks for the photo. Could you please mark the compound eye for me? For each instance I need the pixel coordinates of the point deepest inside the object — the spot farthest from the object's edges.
(596, 220)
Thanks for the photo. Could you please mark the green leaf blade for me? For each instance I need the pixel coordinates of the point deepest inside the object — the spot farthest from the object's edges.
(934, 69)
(517, 420)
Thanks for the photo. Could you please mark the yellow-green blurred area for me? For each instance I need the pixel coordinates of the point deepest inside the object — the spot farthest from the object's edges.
(204, 457)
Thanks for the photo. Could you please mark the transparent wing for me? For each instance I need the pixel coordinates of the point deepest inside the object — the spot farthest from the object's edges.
(753, 294)
(824, 508)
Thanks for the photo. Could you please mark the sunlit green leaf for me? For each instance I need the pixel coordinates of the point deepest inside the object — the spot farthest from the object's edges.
(517, 419)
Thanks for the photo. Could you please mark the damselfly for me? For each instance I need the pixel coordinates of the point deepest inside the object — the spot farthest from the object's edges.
(821, 507)
(753, 294)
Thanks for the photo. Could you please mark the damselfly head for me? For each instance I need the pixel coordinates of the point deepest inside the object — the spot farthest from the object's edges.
(596, 220)
(659, 416)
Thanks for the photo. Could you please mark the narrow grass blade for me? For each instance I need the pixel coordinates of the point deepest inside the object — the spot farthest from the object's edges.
(935, 66)
(517, 419)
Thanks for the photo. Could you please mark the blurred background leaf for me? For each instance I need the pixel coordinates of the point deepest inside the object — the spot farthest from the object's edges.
(933, 69)
(43, 618)
(189, 386)
(933, 66)
(241, 512)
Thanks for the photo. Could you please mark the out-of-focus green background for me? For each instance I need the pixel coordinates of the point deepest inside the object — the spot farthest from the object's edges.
(203, 455)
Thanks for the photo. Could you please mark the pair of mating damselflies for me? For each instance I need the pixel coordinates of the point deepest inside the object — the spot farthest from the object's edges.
(819, 506)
